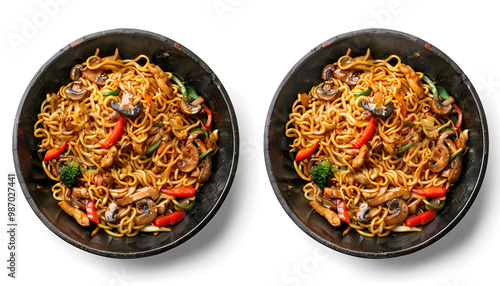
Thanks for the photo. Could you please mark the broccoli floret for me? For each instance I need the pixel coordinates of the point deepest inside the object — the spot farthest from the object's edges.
(69, 173)
(321, 172)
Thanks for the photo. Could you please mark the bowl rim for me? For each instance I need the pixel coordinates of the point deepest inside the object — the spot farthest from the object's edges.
(290, 212)
(225, 189)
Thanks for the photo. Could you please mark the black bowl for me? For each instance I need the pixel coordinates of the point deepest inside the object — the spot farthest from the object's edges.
(169, 55)
(423, 57)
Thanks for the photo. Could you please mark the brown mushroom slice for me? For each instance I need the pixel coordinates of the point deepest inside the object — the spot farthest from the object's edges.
(76, 72)
(389, 195)
(127, 110)
(76, 91)
(206, 169)
(97, 76)
(438, 108)
(189, 158)
(440, 156)
(456, 169)
(111, 214)
(192, 136)
(327, 72)
(413, 206)
(442, 138)
(189, 109)
(325, 202)
(349, 76)
(148, 211)
(400, 212)
(146, 192)
(390, 148)
(362, 214)
(329, 94)
(378, 110)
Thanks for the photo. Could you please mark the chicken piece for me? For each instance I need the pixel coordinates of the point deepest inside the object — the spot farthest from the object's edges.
(413, 80)
(359, 160)
(79, 193)
(107, 161)
(162, 80)
(332, 193)
(330, 215)
(77, 214)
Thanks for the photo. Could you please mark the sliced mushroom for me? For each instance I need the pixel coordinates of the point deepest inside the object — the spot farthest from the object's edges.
(378, 110)
(390, 148)
(400, 212)
(349, 76)
(206, 169)
(76, 72)
(442, 138)
(146, 192)
(439, 158)
(189, 158)
(327, 72)
(438, 108)
(111, 214)
(192, 136)
(456, 169)
(148, 211)
(362, 215)
(97, 76)
(415, 202)
(399, 192)
(76, 91)
(329, 94)
(189, 109)
(127, 111)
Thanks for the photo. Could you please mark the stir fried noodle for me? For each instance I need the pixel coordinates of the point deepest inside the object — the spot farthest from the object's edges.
(378, 143)
(128, 144)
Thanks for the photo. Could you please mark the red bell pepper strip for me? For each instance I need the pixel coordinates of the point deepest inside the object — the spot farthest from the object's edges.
(460, 115)
(342, 211)
(169, 219)
(366, 135)
(54, 152)
(209, 117)
(91, 212)
(421, 219)
(114, 135)
(306, 152)
(180, 191)
(430, 192)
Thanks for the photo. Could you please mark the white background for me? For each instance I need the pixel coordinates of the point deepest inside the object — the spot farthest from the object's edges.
(251, 45)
